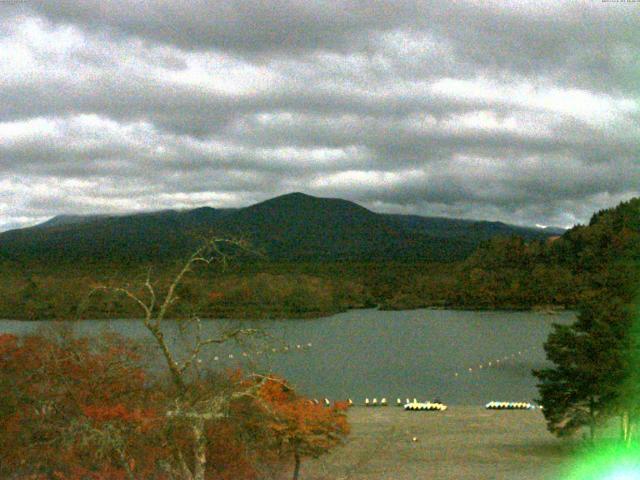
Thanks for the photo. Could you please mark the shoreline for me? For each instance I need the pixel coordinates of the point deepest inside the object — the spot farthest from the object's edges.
(313, 315)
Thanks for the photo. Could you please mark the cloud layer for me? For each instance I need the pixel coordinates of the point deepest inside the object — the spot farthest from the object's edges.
(476, 109)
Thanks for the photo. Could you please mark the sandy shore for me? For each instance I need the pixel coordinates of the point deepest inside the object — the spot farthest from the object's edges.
(460, 443)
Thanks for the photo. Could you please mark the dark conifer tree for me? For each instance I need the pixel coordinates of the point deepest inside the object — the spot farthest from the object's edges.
(595, 372)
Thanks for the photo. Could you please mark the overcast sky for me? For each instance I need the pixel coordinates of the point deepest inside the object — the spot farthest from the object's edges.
(522, 111)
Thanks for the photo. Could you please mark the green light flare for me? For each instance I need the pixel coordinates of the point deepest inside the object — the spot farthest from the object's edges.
(606, 463)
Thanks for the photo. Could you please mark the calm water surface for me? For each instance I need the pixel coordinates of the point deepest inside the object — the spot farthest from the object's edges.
(368, 353)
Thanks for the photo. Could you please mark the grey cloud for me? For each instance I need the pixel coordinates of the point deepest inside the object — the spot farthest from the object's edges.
(526, 114)
(575, 42)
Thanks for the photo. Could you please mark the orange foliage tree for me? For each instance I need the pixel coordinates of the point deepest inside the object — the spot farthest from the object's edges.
(301, 428)
(74, 409)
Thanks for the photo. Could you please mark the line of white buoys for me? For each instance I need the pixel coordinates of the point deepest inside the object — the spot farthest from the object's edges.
(327, 403)
(509, 406)
(286, 348)
(376, 403)
(492, 363)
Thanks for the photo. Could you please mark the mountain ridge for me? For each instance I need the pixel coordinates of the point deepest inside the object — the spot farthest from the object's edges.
(293, 226)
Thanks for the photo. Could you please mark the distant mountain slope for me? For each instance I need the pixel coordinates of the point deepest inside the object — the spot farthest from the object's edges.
(471, 229)
(290, 227)
(61, 220)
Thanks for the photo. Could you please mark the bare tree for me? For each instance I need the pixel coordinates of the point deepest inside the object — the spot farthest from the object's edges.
(195, 410)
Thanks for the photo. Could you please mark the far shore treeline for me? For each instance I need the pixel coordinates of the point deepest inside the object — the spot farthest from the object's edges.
(504, 270)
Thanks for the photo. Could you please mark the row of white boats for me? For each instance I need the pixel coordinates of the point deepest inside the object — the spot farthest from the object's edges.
(436, 405)
(510, 406)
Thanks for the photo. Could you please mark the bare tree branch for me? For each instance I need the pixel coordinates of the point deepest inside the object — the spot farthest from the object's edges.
(195, 411)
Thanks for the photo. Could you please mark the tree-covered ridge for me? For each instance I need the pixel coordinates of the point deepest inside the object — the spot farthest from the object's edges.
(560, 271)
(505, 272)
(292, 227)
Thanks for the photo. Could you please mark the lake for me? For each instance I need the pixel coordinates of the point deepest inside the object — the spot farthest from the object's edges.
(459, 357)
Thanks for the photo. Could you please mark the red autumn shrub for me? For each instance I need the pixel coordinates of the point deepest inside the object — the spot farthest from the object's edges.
(74, 408)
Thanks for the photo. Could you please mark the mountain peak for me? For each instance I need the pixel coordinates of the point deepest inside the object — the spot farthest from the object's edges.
(303, 204)
(294, 196)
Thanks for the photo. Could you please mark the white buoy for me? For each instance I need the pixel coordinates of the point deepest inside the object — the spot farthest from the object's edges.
(398, 402)
(366, 402)
(375, 402)
(350, 402)
(383, 402)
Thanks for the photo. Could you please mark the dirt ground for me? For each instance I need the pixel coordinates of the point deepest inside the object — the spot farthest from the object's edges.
(460, 443)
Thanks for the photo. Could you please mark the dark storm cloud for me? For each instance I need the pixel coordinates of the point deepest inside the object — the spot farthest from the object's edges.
(525, 112)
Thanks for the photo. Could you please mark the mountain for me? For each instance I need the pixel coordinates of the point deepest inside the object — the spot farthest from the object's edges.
(290, 227)
(473, 230)
(69, 219)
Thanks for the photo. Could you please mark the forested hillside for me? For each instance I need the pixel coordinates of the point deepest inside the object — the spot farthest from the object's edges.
(510, 272)
(504, 272)
(293, 228)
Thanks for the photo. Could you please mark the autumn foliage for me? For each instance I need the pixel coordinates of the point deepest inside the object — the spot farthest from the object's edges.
(72, 408)
(80, 409)
(301, 428)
